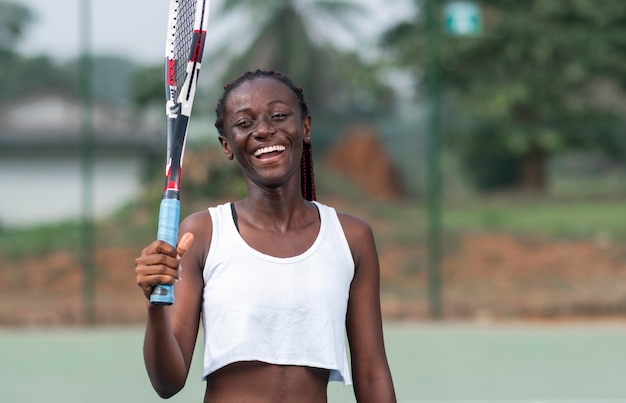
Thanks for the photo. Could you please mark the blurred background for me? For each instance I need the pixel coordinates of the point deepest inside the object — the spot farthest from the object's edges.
(483, 140)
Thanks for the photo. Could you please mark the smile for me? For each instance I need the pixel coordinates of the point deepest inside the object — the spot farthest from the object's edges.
(269, 149)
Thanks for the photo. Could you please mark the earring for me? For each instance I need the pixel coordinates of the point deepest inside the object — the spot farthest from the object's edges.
(307, 139)
(229, 156)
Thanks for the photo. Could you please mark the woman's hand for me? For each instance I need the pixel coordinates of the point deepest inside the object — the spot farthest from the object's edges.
(159, 263)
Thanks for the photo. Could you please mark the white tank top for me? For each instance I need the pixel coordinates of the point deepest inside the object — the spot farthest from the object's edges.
(284, 311)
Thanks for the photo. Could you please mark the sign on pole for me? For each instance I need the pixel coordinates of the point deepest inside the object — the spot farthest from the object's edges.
(462, 18)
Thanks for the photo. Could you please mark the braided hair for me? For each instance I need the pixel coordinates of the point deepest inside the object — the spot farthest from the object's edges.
(306, 169)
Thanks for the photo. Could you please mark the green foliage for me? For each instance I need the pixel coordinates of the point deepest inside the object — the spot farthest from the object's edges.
(19, 76)
(585, 219)
(530, 62)
(38, 241)
(491, 165)
(13, 21)
(110, 77)
(210, 175)
(147, 86)
(532, 75)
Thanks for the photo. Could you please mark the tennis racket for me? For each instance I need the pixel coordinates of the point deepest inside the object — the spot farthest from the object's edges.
(184, 46)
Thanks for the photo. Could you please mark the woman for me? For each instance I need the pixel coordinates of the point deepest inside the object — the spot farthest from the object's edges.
(278, 279)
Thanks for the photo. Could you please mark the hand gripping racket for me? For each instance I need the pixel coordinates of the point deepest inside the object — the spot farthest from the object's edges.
(184, 46)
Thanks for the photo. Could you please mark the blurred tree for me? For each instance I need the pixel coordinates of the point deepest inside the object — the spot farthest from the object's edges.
(298, 38)
(13, 20)
(284, 37)
(147, 86)
(533, 83)
(289, 36)
(112, 79)
(20, 75)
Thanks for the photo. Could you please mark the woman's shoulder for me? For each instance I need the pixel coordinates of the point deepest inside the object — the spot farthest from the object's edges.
(359, 235)
(354, 227)
(199, 222)
(197, 218)
(201, 217)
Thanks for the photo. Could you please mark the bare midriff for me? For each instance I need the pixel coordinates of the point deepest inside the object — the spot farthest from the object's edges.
(258, 382)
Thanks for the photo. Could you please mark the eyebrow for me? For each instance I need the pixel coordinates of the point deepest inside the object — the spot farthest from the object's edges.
(271, 103)
(242, 110)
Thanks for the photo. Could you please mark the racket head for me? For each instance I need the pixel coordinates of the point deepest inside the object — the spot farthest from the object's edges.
(184, 48)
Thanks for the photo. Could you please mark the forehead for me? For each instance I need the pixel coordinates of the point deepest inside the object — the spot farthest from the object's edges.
(260, 90)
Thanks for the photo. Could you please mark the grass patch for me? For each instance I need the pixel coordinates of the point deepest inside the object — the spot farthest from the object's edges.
(398, 223)
(576, 219)
(37, 241)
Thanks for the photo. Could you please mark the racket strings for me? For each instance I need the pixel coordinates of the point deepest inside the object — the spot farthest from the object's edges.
(185, 17)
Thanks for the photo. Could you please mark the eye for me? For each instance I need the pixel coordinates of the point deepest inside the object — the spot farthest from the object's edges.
(244, 123)
(279, 115)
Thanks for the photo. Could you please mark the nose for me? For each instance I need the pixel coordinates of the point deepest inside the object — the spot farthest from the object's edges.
(264, 127)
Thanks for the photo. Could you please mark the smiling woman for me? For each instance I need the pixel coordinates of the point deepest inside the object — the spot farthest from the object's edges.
(278, 279)
(278, 115)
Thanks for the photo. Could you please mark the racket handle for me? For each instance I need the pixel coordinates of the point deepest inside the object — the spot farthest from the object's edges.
(169, 214)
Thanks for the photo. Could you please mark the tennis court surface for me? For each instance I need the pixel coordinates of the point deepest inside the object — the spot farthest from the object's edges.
(431, 363)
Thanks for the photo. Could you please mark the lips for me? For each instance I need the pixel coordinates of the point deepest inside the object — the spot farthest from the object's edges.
(268, 150)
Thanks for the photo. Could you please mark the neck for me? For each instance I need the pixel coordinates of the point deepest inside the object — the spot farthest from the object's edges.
(276, 211)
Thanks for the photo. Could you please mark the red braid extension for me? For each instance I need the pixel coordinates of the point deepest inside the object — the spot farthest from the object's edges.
(306, 173)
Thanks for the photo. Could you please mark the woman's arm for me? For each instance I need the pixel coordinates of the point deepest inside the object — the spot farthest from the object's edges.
(370, 369)
(171, 331)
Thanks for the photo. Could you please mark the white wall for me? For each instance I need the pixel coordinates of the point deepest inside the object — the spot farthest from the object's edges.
(48, 189)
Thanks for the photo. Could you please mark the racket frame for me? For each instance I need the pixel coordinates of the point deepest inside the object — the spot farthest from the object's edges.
(179, 102)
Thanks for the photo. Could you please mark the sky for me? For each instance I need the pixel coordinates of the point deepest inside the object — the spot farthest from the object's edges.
(132, 28)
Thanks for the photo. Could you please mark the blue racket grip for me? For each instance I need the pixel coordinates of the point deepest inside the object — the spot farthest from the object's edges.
(169, 214)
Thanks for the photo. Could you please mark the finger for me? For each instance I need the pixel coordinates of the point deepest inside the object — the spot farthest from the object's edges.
(148, 277)
(156, 260)
(185, 242)
(165, 248)
(159, 247)
(157, 270)
(147, 286)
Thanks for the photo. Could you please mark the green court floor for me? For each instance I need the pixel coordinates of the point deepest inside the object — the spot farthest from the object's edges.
(449, 362)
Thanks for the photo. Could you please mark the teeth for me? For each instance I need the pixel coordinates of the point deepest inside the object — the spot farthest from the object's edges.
(269, 149)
